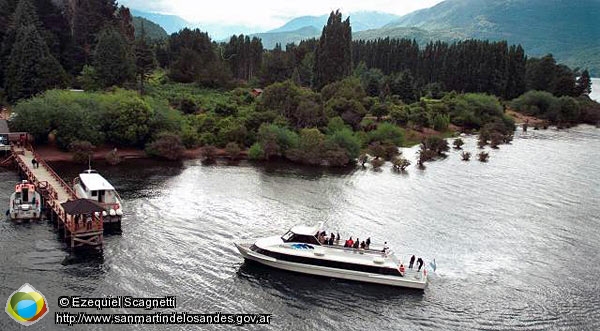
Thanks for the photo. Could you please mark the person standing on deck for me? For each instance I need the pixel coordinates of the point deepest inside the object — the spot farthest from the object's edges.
(419, 264)
(385, 248)
(412, 261)
(368, 243)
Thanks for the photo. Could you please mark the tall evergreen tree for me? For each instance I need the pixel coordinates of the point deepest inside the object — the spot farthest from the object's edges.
(89, 19)
(192, 57)
(112, 59)
(23, 14)
(32, 69)
(125, 22)
(144, 58)
(584, 83)
(333, 56)
(56, 29)
(515, 84)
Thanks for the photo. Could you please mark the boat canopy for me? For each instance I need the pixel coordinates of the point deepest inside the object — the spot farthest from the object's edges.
(95, 182)
(306, 230)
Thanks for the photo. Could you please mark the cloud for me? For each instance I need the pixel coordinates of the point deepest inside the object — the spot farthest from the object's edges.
(268, 13)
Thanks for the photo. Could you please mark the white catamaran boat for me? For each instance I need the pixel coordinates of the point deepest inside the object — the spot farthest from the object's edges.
(299, 250)
(25, 203)
(91, 185)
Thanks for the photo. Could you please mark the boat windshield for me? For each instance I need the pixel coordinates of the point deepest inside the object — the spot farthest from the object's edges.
(299, 238)
(287, 236)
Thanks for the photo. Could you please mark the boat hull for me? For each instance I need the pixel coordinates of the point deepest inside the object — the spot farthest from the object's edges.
(409, 281)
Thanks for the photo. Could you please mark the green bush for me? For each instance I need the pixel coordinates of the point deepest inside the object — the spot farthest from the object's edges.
(473, 110)
(82, 151)
(336, 124)
(276, 140)
(207, 138)
(347, 140)
(233, 150)
(256, 152)
(441, 122)
(537, 103)
(387, 131)
(225, 109)
(73, 116)
(126, 119)
(399, 114)
(350, 110)
(231, 130)
(167, 145)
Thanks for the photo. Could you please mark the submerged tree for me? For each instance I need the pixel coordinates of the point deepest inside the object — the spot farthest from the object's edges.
(399, 163)
(483, 156)
(496, 139)
(363, 158)
(377, 163)
(458, 143)
(466, 156)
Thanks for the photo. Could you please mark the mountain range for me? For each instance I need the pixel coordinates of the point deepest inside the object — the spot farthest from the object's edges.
(568, 29)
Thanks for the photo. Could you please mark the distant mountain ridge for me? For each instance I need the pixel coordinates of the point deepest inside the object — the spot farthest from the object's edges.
(568, 29)
(170, 23)
(306, 27)
(173, 23)
(360, 21)
(152, 30)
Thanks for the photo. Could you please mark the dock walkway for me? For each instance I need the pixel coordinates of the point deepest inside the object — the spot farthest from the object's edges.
(77, 232)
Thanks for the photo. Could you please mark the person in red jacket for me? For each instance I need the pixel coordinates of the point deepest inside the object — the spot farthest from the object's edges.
(350, 242)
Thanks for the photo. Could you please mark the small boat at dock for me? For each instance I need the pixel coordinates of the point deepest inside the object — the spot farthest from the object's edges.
(25, 203)
(300, 250)
(91, 185)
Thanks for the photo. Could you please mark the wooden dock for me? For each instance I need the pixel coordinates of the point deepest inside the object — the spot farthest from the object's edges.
(79, 231)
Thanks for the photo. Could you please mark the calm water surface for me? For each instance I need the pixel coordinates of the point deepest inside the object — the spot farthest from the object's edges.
(516, 240)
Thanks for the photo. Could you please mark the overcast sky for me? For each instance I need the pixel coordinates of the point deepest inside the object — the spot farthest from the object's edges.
(268, 13)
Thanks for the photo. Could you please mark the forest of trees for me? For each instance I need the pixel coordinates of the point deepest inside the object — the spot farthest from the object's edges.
(324, 100)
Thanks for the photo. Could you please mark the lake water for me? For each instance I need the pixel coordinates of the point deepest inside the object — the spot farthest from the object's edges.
(595, 89)
(516, 240)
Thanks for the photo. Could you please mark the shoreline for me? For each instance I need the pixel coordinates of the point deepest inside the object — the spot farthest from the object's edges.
(51, 153)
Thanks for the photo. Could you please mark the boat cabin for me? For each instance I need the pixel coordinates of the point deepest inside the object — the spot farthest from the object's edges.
(302, 234)
(97, 188)
(24, 193)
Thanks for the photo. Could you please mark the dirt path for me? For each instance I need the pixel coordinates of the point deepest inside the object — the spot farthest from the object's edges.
(53, 154)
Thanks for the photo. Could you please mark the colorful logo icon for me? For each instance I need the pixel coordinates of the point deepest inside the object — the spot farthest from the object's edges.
(26, 305)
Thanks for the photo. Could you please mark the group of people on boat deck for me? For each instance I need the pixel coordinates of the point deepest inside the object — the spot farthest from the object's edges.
(328, 241)
(419, 263)
(358, 244)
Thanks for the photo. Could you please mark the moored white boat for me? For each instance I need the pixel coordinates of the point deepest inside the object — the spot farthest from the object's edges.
(91, 185)
(25, 203)
(299, 250)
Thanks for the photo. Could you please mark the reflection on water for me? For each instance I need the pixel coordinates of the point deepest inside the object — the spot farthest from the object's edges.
(515, 239)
